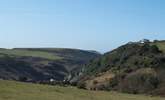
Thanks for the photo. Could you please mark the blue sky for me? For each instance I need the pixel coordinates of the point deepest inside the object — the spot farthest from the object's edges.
(100, 25)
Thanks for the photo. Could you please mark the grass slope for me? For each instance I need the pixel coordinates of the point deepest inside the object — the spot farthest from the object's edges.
(28, 53)
(160, 44)
(10, 90)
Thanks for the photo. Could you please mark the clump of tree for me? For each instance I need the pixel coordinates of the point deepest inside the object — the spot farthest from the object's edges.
(141, 81)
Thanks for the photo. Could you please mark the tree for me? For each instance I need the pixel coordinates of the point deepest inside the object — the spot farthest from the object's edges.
(81, 85)
(23, 79)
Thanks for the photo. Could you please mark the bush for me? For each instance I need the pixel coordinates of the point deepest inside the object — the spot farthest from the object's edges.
(154, 49)
(113, 83)
(81, 85)
(95, 82)
(23, 79)
(141, 81)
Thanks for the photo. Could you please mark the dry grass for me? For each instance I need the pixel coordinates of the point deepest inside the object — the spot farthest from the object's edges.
(10, 90)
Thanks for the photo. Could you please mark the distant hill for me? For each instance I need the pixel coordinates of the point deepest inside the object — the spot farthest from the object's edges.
(40, 64)
(136, 67)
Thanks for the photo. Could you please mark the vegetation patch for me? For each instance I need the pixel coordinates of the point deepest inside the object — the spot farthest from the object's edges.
(10, 90)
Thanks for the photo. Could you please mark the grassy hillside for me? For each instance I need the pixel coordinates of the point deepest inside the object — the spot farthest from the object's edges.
(10, 90)
(28, 53)
(49, 53)
(160, 44)
(41, 64)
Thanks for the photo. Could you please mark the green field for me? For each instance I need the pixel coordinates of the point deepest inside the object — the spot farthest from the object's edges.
(10, 90)
(28, 53)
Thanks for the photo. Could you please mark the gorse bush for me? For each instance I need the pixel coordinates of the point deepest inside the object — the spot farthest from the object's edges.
(141, 81)
(81, 85)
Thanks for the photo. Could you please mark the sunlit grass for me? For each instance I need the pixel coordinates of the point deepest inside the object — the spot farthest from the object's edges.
(24, 91)
(41, 54)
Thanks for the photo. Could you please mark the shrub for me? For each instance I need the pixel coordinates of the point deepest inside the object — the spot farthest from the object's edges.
(113, 82)
(101, 87)
(95, 82)
(23, 79)
(81, 85)
(141, 81)
(154, 49)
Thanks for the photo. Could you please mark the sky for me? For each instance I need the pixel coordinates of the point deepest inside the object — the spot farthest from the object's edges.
(100, 25)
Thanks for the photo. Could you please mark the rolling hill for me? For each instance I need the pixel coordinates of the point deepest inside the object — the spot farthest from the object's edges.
(136, 67)
(41, 64)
